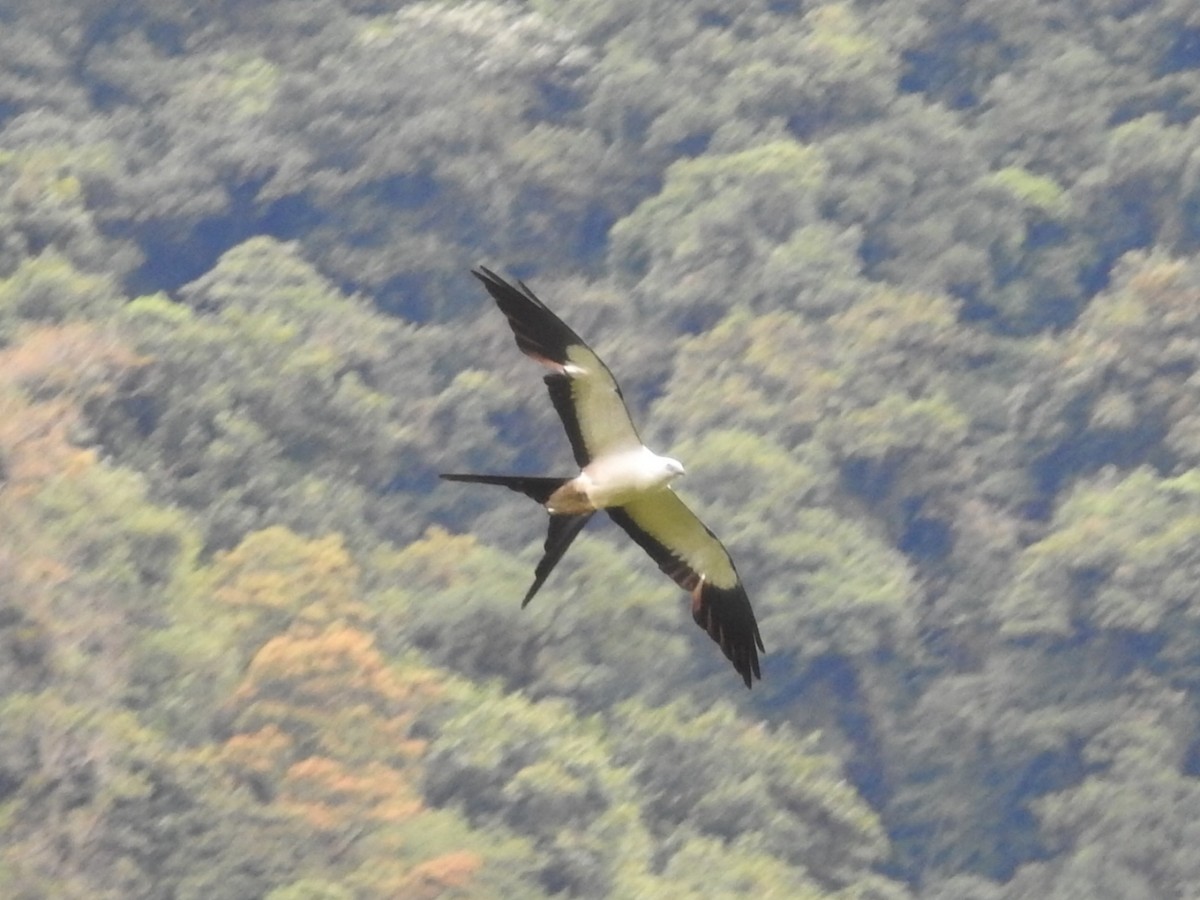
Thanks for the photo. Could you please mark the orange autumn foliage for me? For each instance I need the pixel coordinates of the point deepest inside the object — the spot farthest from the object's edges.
(324, 724)
(328, 794)
(278, 571)
(259, 755)
(448, 873)
(75, 359)
(337, 667)
(45, 379)
(47, 376)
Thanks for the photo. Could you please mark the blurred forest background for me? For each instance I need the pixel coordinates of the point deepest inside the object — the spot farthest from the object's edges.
(913, 288)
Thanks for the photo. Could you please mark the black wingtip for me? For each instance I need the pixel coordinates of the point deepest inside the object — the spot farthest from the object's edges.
(538, 331)
(726, 615)
(484, 274)
(494, 282)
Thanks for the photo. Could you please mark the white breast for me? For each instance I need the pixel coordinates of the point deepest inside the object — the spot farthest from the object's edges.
(618, 478)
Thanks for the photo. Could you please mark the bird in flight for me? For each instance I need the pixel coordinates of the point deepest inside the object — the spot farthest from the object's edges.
(622, 476)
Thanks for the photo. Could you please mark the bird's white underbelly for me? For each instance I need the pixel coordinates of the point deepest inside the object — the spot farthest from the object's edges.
(618, 478)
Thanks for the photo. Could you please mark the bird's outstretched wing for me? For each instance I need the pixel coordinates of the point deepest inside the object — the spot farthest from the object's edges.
(691, 554)
(583, 390)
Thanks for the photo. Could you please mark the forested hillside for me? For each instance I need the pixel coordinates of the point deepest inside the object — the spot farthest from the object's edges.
(912, 288)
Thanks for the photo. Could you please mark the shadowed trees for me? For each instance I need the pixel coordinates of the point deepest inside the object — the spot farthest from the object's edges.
(908, 286)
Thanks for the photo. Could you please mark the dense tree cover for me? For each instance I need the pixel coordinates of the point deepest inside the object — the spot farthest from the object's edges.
(912, 287)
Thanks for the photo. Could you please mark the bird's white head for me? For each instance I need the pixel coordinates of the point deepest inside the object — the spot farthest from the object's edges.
(674, 468)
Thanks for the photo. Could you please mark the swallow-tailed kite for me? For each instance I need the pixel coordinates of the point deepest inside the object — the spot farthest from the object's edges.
(620, 475)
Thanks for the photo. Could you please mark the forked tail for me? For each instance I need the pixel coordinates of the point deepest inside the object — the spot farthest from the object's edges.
(563, 528)
(538, 488)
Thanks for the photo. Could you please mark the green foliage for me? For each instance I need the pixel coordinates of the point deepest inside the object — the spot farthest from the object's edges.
(102, 808)
(565, 643)
(310, 889)
(48, 288)
(532, 768)
(257, 404)
(781, 786)
(1121, 830)
(1034, 191)
(50, 170)
(1118, 389)
(251, 84)
(897, 424)
(705, 867)
(1117, 558)
(602, 801)
(911, 289)
(115, 535)
(713, 222)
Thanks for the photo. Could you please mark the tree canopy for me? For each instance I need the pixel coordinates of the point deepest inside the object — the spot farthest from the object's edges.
(911, 287)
